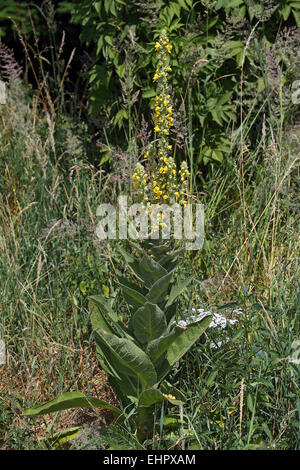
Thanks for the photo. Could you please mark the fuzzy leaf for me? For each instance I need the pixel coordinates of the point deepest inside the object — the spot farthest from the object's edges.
(70, 400)
(148, 323)
(177, 289)
(129, 359)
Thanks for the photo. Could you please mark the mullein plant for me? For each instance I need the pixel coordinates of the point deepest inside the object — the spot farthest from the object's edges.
(139, 356)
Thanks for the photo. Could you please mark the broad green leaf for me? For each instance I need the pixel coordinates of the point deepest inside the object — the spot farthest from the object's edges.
(177, 289)
(159, 346)
(151, 396)
(183, 343)
(70, 400)
(160, 288)
(61, 437)
(148, 323)
(132, 296)
(129, 358)
(168, 389)
(103, 316)
(151, 270)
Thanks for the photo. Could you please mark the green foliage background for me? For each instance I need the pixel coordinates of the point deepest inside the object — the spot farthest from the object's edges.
(210, 61)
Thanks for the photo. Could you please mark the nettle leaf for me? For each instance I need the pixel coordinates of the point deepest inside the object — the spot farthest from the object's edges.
(129, 358)
(70, 400)
(148, 323)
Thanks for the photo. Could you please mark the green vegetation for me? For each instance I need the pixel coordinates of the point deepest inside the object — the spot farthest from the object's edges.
(70, 140)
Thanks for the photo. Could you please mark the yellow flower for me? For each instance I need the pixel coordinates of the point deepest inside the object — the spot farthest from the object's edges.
(169, 47)
(157, 46)
(157, 129)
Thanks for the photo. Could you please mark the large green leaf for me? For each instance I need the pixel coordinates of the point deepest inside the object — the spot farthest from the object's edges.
(151, 396)
(177, 289)
(160, 288)
(70, 400)
(167, 388)
(132, 295)
(160, 345)
(102, 316)
(148, 323)
(129, 359)
(182, 344)
(151, 270)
